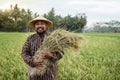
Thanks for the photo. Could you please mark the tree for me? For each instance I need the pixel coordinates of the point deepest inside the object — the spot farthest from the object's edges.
(16, 19)
(111, 26)
(51, 16)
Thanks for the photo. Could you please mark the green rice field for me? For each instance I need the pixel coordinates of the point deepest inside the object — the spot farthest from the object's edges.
(99, 58)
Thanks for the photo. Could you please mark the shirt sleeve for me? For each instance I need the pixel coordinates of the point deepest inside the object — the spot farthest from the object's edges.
(28, 59)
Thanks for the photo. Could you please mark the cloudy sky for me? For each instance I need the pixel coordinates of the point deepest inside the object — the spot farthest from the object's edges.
(96, 10)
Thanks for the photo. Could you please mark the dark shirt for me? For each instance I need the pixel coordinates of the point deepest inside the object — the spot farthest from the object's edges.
(31, 45)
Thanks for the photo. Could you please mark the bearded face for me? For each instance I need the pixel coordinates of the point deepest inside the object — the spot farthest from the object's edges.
(40, 27)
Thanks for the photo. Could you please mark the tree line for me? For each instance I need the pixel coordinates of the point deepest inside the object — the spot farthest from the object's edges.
(16, 19)
(111, 26)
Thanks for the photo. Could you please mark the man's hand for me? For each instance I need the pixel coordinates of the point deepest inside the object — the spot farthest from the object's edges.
(37, 63)
(47, 53)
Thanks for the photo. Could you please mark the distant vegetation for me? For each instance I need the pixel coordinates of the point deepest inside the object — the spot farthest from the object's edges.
(16, 19)
(111, 26)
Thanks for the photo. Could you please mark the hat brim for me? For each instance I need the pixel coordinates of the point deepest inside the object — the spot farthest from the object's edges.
(32, 23)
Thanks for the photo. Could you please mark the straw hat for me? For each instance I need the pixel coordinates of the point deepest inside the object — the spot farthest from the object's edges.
(40, 18)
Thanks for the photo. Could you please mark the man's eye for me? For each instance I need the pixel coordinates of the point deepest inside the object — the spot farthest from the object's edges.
(42, 23)
(37, 23)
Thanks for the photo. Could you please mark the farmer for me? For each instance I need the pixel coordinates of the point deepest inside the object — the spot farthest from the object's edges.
(33, 42)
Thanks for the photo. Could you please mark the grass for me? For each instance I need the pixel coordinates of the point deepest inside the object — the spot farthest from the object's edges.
(99, 58)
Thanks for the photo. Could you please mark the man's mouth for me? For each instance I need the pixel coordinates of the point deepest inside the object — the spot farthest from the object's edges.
(40, 28)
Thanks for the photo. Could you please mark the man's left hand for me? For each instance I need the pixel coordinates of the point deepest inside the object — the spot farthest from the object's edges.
(47, 53)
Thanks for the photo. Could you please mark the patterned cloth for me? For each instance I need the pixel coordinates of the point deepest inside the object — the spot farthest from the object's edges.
(31, 45)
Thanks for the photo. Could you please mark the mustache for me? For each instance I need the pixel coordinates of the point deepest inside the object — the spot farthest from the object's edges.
(40, 28)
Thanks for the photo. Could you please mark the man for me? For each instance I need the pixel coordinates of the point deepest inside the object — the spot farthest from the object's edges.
(33, 42)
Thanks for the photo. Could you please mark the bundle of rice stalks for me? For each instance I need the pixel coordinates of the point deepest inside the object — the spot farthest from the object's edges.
(59, 40)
